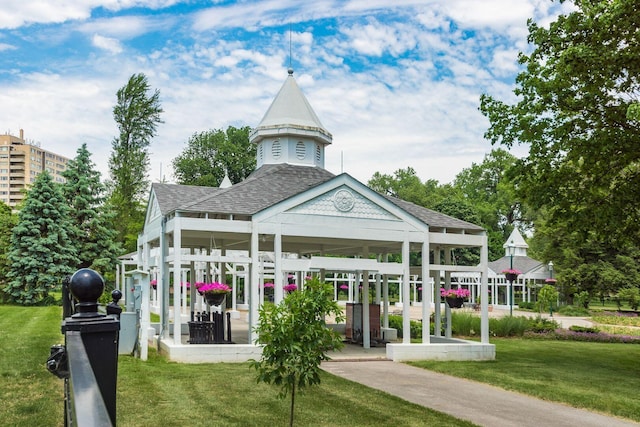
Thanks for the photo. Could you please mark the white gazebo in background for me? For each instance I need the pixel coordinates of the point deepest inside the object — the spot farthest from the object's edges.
(534, 272)
(290, 219)
(532, 277)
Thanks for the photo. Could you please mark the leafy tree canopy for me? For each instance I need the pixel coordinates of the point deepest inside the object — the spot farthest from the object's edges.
(211, 154)
(577, 110)
(137, 114)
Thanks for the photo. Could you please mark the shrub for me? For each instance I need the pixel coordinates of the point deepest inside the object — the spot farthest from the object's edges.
(585, 329)
(395, 322)
(583, 299)
(565, 334)
(524, 305)
(631, 295)
(508, 326)
(540, 325)
(465, 324)
(573, 310)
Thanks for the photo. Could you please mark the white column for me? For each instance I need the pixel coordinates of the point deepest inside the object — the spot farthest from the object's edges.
(352, 285)
(484, 299)
(366, 324)
(447, 285)
(436, 293)
(253, 284)
(406, 271)
(192, 282)
(278, 276)
(145, 319)
(163, 282)
(426, 291)
(385, 297)
(177, 263)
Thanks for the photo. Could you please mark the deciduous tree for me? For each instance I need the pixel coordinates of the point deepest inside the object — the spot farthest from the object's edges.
(137, 114)
(296, 338)
(575, 108)
(211, 154)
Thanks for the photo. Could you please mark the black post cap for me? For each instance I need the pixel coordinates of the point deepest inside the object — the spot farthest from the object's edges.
(86, 285)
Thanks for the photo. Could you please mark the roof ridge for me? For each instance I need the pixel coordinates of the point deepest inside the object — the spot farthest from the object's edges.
(220, 191)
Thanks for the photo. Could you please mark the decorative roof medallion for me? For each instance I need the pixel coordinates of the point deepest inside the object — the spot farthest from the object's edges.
(343, 200)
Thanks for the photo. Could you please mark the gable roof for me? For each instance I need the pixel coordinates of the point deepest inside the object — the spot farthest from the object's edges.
(269, 185)
(432, 218)
(522, 263)
(265, 187)
(171, 196)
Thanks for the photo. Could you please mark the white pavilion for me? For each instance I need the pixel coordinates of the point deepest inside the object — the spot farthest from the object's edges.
(293, 218)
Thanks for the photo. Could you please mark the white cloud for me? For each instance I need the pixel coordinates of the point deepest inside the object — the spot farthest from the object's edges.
(375, 38)
(107, 43)
(5, 46)
(417, 109)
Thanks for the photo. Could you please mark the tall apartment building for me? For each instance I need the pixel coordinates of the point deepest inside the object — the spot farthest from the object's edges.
(20, 164)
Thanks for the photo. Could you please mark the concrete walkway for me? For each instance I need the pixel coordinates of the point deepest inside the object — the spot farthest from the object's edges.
(479, 403)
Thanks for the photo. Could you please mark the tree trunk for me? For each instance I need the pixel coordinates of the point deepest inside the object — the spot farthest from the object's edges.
(293, 399)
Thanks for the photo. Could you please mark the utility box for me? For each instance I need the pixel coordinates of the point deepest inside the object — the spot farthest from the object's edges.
(133, 295)
(128, 332)
(130, 319)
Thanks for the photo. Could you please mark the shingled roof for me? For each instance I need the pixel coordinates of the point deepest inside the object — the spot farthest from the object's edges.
(522, 263)
(270, 185)
(433, 218)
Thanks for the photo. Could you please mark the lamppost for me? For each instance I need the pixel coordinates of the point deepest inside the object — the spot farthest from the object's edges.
(512, 249)
(550, 265)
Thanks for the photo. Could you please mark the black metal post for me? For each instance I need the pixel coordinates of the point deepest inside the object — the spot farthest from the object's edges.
(98, 334)
(511, 283)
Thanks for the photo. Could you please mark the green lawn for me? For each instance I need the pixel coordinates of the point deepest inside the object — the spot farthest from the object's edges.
(596, 376)
(603, 377)
(158, 392)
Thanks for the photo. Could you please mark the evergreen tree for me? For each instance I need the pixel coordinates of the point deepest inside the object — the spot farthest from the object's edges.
(7, 222)
(137, 115)
(41, 253)
(93, 235)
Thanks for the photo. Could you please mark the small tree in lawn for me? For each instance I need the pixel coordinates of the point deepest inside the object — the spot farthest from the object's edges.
(296, 338)
(41, 253)
(546, 297)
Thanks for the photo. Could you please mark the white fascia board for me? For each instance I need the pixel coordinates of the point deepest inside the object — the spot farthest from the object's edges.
(152, 206)
(456, 268)
(443, 238)
(345, 224)
(216, 225)
(316, 263)
(151, 232)
(238, 259)
(338, 181)
(354, 233)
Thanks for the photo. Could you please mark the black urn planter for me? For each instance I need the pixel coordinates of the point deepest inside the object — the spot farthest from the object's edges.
(455, 302)
(214, 299)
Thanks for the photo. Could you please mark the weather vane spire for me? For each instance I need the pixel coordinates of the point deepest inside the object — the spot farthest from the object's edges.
(290, 70)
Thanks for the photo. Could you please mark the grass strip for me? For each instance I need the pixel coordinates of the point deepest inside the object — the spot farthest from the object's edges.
(602, 377)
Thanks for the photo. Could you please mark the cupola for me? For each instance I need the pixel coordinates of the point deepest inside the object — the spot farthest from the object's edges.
(290, 131)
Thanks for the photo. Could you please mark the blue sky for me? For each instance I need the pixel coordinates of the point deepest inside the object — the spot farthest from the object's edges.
(398, 86)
